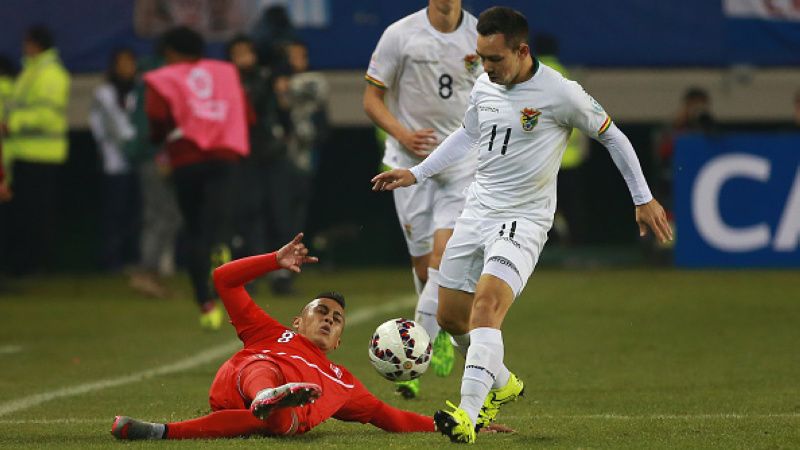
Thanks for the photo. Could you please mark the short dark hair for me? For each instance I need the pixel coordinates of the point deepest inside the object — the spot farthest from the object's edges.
(41, 36)
(506, 21)
(183, 40)
(239, 39)
(335, 296)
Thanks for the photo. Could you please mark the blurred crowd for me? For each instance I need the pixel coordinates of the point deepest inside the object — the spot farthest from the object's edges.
(233, 190)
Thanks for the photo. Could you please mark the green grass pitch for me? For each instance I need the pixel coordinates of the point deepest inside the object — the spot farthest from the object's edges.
(611, 359)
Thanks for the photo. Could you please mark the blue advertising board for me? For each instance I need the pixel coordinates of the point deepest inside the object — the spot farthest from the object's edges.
(737, 200)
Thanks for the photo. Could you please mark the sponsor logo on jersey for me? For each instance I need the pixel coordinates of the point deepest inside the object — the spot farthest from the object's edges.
(491, 109)
(529, 118)
(471, 62)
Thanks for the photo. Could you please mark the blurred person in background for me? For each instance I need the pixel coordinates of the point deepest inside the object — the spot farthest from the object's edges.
(161, 219)
(111, 126)
(255, 201)
(197, 108)
(569, 219)
(693, 116)
(302, 101)
(34, 130)
(271, 34)
(7, 74)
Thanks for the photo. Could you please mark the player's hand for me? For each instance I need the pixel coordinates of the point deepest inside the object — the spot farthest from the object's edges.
(5, 193)
(497, 428)
(294, 254)
(651, 215)
(393, 179)
(419, 142)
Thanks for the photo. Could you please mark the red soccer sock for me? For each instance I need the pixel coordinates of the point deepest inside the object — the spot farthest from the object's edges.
(258, 376)
(232, 423)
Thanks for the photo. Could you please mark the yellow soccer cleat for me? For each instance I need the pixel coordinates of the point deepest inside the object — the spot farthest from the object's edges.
(513, 390)
(455, 424)
(212, 319)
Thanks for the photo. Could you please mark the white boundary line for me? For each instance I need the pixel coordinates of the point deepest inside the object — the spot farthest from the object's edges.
(191, 362)
(9, 349)
(723, 416)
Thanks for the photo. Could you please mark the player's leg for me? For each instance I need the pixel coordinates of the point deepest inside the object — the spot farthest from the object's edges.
(511, 254)
(411, 205)
(413, 212)
(448, 204)
(265, 389)
(428, 304)
(219, 424)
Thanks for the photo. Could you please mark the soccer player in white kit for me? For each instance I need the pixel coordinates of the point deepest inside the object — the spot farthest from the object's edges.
(419, 80)
(518, 120)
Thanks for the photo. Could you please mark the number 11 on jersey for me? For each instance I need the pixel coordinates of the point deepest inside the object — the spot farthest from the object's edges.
(505, 140)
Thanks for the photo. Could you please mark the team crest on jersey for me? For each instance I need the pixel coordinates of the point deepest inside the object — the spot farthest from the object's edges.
(529, 118)
(337, 371)
(471, 62)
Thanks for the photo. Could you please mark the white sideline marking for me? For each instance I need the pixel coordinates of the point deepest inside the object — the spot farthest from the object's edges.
(199, 359)
(9, 349)
(540, 416)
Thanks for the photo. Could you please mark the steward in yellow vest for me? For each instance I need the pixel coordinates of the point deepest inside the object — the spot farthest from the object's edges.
(36, 113)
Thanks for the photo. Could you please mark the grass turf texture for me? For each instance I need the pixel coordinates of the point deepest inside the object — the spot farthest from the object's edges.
(611, 359)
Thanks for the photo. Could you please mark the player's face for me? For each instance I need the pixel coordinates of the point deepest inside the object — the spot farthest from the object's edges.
(501, 63)
(322, 322)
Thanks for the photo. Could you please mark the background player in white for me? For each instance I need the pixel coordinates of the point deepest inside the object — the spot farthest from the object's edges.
(424, 67)
(518, 120)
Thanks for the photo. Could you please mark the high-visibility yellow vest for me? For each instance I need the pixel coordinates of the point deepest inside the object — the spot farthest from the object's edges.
(6, 89)
(37, 111)
(574, 154)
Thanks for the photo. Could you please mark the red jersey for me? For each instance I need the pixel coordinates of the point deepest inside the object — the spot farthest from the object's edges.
(343, 395)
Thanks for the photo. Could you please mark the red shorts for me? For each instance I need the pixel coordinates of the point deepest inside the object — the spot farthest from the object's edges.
(226, 390)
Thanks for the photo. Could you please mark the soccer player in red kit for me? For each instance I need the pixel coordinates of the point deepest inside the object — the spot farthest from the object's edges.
(281, 382)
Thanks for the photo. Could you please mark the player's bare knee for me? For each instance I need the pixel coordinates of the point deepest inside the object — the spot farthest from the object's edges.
(452, 323)
(487, 311)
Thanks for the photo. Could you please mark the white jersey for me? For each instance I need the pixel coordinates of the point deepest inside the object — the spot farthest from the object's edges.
(521, 132)
(428, 74)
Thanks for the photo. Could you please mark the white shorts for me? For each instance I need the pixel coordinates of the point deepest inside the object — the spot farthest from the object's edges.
(507, 248)
(431, 205)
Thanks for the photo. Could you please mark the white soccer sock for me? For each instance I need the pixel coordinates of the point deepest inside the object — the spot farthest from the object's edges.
(460, 343)
(419, 285)
(484, 361)
(428, 304)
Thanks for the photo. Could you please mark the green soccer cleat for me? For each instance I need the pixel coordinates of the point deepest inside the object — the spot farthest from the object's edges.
(513, 390)
(455, 424)
(212, 318)
(408, 389)
(443, 355)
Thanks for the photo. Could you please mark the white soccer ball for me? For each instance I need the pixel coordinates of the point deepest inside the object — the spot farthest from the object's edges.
(400, 350)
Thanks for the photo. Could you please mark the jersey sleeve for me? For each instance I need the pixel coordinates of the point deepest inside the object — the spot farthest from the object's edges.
(579, 110)
(364, 407)
(471, 123)
(386, 60)
(248, 318)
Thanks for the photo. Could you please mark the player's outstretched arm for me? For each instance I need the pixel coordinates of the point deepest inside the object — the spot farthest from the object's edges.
(651, 215)
(230, 278)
